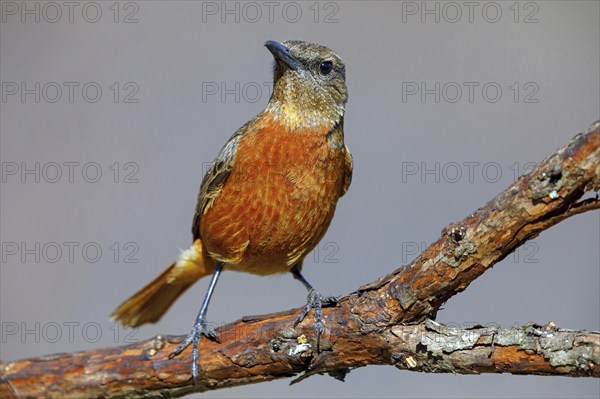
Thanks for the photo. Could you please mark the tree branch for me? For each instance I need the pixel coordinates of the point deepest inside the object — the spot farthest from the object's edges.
(367, 326)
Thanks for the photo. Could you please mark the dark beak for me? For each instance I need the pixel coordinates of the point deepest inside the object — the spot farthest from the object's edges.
(282, 54)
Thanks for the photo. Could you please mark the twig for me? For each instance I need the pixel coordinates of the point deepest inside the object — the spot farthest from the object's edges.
(368, 326)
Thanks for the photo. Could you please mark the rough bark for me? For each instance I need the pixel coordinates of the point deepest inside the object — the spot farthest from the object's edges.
(368, 326)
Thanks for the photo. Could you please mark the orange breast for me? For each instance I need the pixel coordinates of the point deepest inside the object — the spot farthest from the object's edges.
(277, 202)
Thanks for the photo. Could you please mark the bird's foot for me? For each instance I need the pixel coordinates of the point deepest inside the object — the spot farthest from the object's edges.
(201, 328)
(315, 300)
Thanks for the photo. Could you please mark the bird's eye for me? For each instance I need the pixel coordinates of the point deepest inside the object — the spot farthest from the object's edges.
(326, 67)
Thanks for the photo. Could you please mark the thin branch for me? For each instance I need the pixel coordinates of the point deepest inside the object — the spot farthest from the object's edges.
(367, 326)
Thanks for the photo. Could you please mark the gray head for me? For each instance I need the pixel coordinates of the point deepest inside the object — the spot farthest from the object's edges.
(309, 81)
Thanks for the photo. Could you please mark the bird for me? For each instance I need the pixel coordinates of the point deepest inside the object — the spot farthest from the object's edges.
(268, 197)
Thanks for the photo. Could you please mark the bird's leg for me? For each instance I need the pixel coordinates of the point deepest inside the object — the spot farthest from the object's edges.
(200, 327)
(314, 300)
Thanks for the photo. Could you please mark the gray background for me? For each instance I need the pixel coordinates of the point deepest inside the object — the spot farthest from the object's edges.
(172, 132)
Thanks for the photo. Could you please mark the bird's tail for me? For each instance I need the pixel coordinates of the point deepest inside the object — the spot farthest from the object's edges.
(151, 302)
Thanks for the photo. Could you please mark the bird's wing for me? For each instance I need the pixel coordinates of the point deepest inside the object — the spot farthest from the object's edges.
(348, 167)
(215, 177)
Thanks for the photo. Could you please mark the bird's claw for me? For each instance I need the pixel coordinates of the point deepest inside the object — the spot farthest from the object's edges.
(200, 328)
(315, 300)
